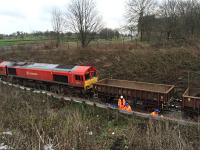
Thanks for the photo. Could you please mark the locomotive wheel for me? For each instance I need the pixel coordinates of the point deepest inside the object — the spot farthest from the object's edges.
(56, 89)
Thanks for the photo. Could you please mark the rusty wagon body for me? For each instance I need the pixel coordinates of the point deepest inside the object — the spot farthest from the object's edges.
(191, 100)
(146, 94)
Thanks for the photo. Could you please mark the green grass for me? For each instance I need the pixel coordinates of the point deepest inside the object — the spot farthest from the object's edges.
(68, 41)
(19, 42)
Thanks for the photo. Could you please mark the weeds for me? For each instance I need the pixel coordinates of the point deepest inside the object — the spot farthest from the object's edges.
(34, 123)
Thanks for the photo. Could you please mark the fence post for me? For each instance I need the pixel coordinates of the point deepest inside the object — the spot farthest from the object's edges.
(123, 42)
(97, 44)
(76, 44)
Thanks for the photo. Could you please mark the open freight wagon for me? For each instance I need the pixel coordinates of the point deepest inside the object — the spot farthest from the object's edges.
(191, 100)
(145, 94)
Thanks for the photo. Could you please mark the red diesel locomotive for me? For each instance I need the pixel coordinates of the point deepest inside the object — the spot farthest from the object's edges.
(74, 76)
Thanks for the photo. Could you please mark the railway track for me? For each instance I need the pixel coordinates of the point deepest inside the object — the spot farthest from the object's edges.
(99, 105)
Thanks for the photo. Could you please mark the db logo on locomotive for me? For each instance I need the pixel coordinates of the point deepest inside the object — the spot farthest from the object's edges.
(31, 73)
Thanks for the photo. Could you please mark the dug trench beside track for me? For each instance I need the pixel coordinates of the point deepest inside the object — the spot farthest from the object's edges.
(100, 105)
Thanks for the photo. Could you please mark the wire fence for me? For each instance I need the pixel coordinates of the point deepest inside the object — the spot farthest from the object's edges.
(51, 43)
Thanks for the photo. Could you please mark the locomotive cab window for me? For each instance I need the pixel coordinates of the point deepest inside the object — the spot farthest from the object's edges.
(94, 74)
(78, 78)
(87, 76)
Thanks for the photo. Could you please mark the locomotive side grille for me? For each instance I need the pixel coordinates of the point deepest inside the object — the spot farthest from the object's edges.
(60, 78)
(12, 71)
(65, 67)
(20, 64)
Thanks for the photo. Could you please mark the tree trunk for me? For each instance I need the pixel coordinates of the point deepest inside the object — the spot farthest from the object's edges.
(141, 35)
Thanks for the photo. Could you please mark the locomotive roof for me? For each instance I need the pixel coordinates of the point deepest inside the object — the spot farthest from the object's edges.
(55, 67)
(44, 66)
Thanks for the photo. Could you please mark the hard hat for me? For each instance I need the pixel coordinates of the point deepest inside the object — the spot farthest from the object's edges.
(121, 97)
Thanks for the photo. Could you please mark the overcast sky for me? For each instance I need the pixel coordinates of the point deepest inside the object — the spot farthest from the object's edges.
(35, 15)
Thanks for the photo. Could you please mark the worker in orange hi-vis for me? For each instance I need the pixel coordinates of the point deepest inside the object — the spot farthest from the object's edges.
(155, 113)
(121, 103)
(127, 107)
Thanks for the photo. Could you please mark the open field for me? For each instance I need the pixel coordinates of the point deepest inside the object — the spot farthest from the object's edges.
(19, 42)
(68, 42)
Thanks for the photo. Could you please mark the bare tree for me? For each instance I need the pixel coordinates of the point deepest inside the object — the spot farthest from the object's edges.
(181, 18)
(136, 10)
(57, 24)
(189, 14)
(132, 29)
(170, 17)
(82, 18)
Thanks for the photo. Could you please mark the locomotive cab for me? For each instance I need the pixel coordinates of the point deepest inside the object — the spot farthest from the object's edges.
(85, 76)
(90, 78)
